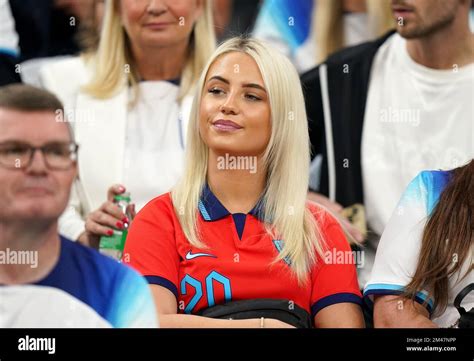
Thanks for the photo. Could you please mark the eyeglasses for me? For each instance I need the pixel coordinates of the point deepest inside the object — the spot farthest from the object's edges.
(57, 155)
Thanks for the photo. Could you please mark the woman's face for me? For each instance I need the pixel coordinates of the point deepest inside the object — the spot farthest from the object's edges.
(159, 23)
(234, 114)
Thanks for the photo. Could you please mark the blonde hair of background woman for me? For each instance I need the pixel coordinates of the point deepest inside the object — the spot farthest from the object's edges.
(286, 160)
(328, 25)
(114, 54)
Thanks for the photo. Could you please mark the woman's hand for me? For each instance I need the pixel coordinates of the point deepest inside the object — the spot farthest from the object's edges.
(104, 220)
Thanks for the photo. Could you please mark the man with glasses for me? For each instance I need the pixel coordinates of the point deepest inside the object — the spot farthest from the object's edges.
(37, 168)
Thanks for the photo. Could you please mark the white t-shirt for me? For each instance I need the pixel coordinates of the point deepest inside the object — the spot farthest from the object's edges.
(28, 306)
(399, 248)
(154, 144)
(416, 118)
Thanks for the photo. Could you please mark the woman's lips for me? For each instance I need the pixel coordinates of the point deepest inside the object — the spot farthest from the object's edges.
(157, 26)
(225, 125)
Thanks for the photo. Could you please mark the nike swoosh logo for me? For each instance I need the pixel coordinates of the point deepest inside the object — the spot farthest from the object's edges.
(190, 255)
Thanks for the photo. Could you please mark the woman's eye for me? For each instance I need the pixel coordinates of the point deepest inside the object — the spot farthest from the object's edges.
(215, 91)
(252, 97)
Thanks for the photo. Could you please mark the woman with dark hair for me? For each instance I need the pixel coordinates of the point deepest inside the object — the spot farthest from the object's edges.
(426, 253)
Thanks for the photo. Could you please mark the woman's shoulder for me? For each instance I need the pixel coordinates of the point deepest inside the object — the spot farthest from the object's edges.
(157, 217)
(427, 187)
(324, 218)
(434, 178)
(65, 70)
(65, 77)
(330, 229)
(158, 205)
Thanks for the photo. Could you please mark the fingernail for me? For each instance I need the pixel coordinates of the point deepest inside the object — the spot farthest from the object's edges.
(125, 220)
(121, 189)
(119, 224)
(110, 232)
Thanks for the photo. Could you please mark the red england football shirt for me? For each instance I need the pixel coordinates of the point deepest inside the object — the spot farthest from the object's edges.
(237, 263)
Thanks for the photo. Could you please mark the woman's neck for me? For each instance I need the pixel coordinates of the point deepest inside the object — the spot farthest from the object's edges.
(160, 63)
(237, 181)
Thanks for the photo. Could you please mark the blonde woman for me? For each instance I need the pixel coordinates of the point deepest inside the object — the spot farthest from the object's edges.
(237, 226)
(129, 104)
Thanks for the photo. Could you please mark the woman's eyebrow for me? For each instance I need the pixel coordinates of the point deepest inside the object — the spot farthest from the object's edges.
(217, 77)
(246, 85)
(253, 85)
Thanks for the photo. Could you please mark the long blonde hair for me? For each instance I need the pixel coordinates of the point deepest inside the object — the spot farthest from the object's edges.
(286, 160)
(328, 26)
(114, 55)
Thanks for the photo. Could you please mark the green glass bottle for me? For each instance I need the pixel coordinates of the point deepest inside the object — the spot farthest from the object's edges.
(113, 245)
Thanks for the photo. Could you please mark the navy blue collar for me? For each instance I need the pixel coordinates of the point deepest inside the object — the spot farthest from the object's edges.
(175, 81)
(212, 209)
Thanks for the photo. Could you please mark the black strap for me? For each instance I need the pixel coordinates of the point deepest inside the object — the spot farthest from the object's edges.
(279, 309)
(460, 297)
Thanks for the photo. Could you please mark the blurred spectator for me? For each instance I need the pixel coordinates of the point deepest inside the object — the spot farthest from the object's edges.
(308, 31)
(472, 17)
(385, 110)
(9, 51)
(222, 13)
(48, 28)
(37, 168)
(286, 25)
(234, 18)
(424, 259)
(129, 103)
(89, 14)
(342, 23)
(90, 27)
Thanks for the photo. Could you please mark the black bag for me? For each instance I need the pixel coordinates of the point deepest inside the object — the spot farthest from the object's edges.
(282, 310)
(467, 317)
